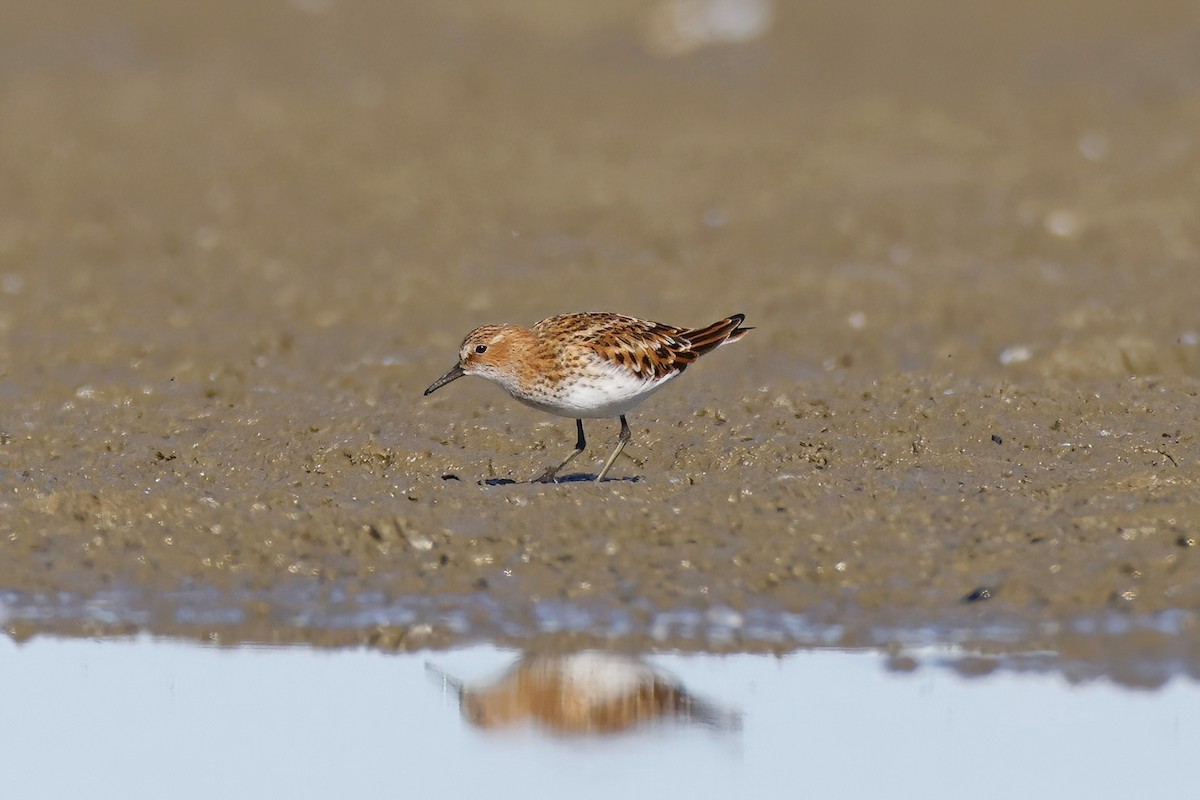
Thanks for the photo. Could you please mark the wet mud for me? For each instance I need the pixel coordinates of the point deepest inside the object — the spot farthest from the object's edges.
(236, 245)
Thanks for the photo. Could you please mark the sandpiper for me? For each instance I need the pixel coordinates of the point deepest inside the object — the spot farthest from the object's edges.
(593, 365)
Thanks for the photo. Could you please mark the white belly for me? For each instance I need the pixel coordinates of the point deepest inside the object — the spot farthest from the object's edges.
(602, 391)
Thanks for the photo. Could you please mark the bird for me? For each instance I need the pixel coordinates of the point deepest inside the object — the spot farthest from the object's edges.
(592, 365)
(584, 693)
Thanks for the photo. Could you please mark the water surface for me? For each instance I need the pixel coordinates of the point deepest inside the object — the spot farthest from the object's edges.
(148, 719)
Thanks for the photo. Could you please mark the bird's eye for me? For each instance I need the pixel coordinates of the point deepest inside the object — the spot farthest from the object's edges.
(481, 349)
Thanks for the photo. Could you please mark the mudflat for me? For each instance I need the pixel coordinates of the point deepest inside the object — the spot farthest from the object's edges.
(237, 242)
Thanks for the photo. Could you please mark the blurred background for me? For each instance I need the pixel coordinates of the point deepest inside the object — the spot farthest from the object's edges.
(880, 186)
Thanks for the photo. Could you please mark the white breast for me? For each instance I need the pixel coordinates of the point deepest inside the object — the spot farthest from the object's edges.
(600, 390)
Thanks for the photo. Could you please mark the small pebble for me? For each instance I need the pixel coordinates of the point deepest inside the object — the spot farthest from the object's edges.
(980, 594)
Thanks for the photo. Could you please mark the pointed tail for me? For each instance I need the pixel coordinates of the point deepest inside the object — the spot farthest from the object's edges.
(709, 338)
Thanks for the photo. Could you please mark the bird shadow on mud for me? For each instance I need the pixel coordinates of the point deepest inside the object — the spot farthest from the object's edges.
(574, 477)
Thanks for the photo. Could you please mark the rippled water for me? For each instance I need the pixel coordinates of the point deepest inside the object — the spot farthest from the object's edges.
(146, 718)
(1147, 650)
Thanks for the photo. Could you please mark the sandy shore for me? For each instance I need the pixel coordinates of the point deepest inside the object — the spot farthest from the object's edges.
(237, 244)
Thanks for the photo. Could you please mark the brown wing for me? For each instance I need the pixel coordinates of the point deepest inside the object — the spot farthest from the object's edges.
(649, 348)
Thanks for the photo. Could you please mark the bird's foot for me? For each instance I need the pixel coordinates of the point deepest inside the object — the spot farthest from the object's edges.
(546, 477)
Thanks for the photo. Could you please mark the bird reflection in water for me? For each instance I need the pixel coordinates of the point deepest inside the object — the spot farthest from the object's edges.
(588, 692)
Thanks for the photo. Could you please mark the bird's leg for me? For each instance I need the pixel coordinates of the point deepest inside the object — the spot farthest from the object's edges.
(580, 444)
(622, 440)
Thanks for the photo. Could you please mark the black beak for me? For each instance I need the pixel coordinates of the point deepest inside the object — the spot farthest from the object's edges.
(454, 374)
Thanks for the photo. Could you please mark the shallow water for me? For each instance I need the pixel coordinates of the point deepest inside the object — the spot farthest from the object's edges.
(150, 718)
(1145, 651)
